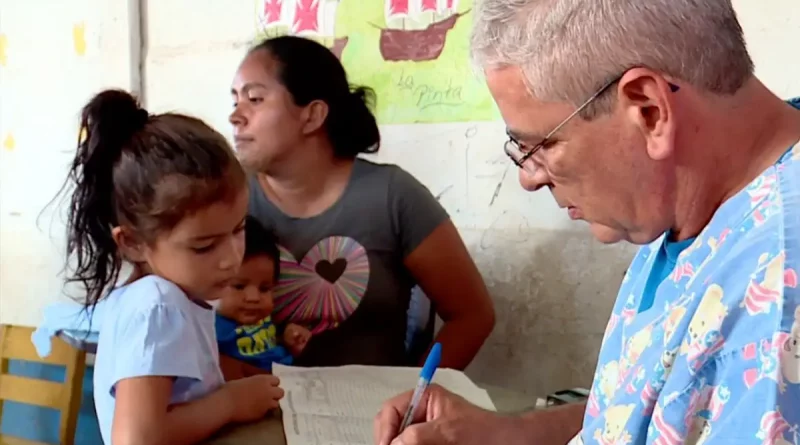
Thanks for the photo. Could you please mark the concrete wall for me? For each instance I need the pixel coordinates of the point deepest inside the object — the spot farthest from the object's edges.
(552, 284)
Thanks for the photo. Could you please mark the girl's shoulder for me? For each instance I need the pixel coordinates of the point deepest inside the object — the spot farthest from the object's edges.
(152, 306)
(148, 292)
(153, 287)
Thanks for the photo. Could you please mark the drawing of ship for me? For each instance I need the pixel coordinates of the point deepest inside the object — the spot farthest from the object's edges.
(315, 19)
(404, 39)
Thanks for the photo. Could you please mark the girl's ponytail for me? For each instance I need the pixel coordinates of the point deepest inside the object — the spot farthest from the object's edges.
(141, 173)
(109, 122)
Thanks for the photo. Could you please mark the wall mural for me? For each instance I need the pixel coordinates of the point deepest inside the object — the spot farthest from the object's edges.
(414, 53)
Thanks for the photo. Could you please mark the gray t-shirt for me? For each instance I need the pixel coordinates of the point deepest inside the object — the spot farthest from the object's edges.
(342, 272)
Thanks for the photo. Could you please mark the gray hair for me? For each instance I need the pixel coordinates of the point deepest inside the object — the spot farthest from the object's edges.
(567, 49)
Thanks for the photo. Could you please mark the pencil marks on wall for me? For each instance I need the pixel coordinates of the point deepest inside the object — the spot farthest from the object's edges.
(465, 168)
(498, 187)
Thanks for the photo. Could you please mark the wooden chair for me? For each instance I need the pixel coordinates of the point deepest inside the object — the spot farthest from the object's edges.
(420, 329)
(15, 344)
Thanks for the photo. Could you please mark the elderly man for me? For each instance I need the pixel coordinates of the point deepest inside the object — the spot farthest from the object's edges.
(644, 119)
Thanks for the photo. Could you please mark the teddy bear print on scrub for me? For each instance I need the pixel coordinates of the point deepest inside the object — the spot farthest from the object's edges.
(790, 354)
(704, 337)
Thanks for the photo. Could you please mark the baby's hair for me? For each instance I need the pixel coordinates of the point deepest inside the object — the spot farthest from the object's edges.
(141, 172)
(260, 241)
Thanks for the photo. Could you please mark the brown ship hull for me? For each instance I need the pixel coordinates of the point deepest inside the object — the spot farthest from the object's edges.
(416, 45)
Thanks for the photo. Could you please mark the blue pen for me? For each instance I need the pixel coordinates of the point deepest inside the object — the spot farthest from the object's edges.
(425, 377)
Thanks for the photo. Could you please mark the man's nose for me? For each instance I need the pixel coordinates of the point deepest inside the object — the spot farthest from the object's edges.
(533, 181)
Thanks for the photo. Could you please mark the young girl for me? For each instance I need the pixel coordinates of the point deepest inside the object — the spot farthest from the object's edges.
(165, 194)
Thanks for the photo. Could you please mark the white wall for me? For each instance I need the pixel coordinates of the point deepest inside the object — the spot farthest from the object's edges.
(45, 77)
(553, 285)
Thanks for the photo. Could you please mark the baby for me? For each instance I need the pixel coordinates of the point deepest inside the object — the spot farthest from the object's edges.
(247, 338)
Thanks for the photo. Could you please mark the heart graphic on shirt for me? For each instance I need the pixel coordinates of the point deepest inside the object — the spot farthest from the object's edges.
(325, 287)
(331, 271)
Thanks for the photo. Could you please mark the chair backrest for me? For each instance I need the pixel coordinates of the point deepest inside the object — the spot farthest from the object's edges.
(420, 326)
(15, 344)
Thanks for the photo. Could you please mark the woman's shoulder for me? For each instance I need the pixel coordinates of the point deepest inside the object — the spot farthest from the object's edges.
(415, 211)
(391, 174)
(367, 166)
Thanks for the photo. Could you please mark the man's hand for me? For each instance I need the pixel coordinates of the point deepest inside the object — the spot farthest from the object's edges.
(444, 418)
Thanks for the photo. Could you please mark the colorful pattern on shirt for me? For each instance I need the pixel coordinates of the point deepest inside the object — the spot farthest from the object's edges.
(716, 360)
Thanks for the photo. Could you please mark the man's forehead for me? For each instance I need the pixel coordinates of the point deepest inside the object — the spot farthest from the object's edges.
(507, 83)
(527, 118)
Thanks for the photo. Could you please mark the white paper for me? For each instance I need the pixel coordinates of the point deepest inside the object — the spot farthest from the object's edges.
(336, 406)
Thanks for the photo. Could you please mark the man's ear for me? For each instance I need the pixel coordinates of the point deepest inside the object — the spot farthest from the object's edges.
(647, 99)
(314, 115)
(128, 244)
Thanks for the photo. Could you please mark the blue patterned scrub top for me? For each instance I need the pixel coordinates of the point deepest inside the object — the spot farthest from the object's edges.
(715, 358)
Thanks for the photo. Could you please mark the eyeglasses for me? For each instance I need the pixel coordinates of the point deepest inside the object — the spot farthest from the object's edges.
(520, 153)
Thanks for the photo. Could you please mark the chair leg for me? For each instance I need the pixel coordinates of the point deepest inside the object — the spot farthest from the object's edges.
(69, 415)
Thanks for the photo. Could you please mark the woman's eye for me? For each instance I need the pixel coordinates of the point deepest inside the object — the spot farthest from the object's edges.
(255, 100)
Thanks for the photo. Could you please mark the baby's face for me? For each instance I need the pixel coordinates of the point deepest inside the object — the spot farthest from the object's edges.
(248, 299)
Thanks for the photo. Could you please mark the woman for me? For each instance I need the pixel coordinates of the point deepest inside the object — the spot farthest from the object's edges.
(356, 236)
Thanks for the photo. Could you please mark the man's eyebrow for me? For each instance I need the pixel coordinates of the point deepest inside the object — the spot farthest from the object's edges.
(524, 136)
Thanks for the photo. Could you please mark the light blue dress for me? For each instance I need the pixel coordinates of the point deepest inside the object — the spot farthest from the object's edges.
(151, 328)
(710, 355)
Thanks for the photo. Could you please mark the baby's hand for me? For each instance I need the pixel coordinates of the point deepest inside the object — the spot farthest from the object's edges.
(252, 397)
(296, 337)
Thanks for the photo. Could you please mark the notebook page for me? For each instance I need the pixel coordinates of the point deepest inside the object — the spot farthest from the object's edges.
(336, 406)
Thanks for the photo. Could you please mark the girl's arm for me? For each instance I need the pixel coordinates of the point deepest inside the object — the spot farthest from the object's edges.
(233, 369)
(153, 344)
(143, 416)
(250, 370)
